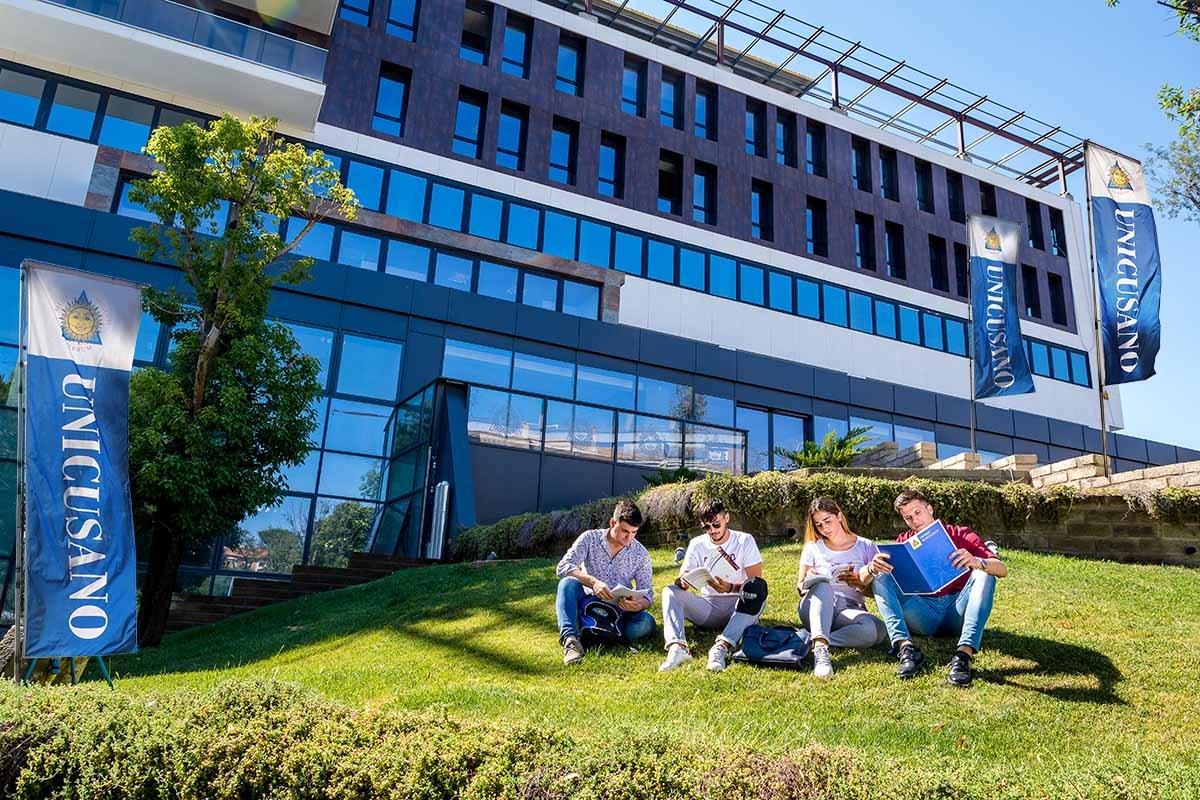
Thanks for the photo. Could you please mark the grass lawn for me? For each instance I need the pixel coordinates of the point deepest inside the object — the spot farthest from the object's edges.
(1088, 667)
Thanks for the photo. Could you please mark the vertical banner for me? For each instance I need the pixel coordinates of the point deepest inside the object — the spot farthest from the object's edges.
(1001, 367)
(81, 565)
(1127, 266)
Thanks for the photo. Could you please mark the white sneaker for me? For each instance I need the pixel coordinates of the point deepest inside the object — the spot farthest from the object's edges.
(717, 656)
(677, 656)
(822, 663)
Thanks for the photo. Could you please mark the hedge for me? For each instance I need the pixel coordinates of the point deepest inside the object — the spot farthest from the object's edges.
(771, 504)
(269, 740)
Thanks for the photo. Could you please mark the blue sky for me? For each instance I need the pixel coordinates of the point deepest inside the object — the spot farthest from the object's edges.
(1093, 70)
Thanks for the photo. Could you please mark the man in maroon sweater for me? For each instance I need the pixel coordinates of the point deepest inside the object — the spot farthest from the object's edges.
(960, 610)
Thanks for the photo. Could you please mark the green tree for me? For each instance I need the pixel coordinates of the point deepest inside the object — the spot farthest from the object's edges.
(283, 548)
(665, 477)
(1180, 104)
(1175, 172)
(210, 436)
(341, 529)
(833, 451)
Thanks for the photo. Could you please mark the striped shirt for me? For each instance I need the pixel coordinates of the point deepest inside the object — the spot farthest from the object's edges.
(629, 567)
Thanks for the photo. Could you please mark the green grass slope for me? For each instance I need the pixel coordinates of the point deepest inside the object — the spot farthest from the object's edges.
(1088, 668)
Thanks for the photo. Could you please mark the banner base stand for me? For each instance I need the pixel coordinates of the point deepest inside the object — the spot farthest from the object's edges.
(51, 670)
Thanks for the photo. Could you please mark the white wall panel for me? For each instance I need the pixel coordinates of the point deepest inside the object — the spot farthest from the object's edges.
(45, 165)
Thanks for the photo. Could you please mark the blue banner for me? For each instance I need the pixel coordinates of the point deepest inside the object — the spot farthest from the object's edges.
(1001, 367)
(1127, 266)
(81, 578)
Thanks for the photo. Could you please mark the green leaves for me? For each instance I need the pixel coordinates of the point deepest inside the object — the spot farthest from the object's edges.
(833, 451)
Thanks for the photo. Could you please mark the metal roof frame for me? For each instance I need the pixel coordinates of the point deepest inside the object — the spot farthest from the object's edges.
(1033, 151)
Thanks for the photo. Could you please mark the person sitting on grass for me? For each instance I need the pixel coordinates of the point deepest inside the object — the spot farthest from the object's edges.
(599, 561)
(730, 603)
(833, 564)
(960, 610)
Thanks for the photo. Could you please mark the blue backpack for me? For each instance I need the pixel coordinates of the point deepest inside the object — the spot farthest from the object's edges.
(598, 623)
(776, 646)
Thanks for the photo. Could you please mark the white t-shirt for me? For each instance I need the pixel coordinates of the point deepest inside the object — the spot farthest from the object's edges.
(822, 560)
(728, 561)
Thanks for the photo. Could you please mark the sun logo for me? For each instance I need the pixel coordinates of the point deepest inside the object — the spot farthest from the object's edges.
(1118, 178)
(992, 241)
(81, 321)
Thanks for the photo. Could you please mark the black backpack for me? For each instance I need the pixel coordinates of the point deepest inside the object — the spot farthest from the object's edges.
(776, 646)
(598, 623)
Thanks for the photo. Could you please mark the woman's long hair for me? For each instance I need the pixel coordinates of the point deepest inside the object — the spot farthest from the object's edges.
(829, 506)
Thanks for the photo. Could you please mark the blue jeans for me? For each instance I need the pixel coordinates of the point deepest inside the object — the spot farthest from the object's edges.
(634, 625)
(963, 614)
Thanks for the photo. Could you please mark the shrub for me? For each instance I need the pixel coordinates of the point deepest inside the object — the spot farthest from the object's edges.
(833, 451)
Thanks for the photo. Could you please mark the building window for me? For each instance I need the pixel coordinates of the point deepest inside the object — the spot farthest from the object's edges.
(987, 199)
(954, 196)
(127, 124)
(706, 111)
(893, 250)
(756, 123)
(564, 142)
(814, 147)
(612, 165)
(785, 138)
(864, 241)
(498, 280)
(670, 182)
(476, 32)
(939, 271)
(356, 11)
(1033, 216)
(704, 194)
(861, 169)
(762, 211)
(1058, 299)
(468, 124)
(670, 107)
(889, 179)
(366, 181)
(1058, 233)
(925, 186)
(402, 19)
(73, 111)
(816, 227)
(962, 270)
(633, 87)
(510, 141)
(515, 58)
(568, 67)
(391, 102)
(1029, 283)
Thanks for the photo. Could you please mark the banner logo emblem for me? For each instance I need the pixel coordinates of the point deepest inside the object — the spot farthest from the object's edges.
(81, 321)
(992, 241)
(1119, 179)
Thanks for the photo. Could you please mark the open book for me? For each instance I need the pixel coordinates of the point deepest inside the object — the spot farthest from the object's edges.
(622, 592)
(921, 563)
(717, 567)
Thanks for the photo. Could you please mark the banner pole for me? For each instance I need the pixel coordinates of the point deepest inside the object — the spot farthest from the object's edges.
(1100, 393)
(971, 349)
(20, 568)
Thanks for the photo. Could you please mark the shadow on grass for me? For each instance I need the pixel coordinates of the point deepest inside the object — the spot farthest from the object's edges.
(1053, 660)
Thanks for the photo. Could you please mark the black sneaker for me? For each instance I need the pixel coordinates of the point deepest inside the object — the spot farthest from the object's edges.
(912, 660)
(960, 669)
(572, 651)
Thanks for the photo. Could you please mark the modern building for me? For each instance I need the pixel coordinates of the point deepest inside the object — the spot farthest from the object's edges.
(594, 243)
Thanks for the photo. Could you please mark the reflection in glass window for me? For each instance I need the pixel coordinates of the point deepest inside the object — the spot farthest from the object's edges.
(664, 397)
(487, 415)
(595, 243)
(1058, 362)
(808, 300)
(8, 386)
(524, 422)
(932, 324)
(543, 375)
(628, 253)
(446, 207)
(126, 124)
(452, 271)
(540, 291)
(1079, 369)
(606, 387)
(751, 288)
(649, 441)
(523, 223)
(408, 260)
(567, 72)
(20, 96)
(560, 235)
(878, 431)
(477, 363)
(73, 112)
(147, 340)
(789, 433)
(367, 183)
(356, 427)
(340, 527)
(317, 243)
(885, 319)
(758, 439)
(691, 269)
(302, 477)
(497, 280)
(581, 299)
(126, 207)
(713, 449)
(908, 435)
(780, 288)
(660, 261)
(722, 276)
(391, 101)
(593, 434)
(712, 409)
(406, 195)
(834, 298)
(272, 540)
(317, 343)
(468, 124)
(402, 19)
(319, 407)
(956, 337)
(860, 312)
(359, 250)
(369, 367)
(559, 419)
(351, 476)
(1041, 359)
(485, 216)
(823, 425)
(909, 329)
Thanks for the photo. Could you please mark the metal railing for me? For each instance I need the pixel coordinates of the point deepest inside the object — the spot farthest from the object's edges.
(210, 31)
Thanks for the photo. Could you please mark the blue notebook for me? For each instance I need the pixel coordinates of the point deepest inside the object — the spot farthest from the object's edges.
(921, 564)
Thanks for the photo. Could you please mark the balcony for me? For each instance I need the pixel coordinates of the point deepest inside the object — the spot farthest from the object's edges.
(175, 49)
(315, 15)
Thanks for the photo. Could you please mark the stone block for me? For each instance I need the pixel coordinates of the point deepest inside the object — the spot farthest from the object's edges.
(1165, 471)
(1100, 482)
(1079, 473)
(967, 460)
(1190, 479)
(1021, 462)
(1051, 479)
(1126, 477)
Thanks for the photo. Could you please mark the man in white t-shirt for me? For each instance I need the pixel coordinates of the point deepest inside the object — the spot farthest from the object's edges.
(731, 600)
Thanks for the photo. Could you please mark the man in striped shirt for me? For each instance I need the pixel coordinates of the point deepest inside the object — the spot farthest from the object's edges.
(599, 561)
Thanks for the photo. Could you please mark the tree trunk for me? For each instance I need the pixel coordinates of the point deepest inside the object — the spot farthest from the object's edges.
(166, 553)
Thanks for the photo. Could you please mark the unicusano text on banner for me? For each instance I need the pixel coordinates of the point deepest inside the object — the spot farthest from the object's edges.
(1001, 367)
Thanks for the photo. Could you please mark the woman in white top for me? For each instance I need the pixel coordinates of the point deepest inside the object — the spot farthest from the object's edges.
(833, 576)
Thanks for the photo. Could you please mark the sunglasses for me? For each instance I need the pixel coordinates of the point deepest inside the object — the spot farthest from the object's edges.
(714, 525)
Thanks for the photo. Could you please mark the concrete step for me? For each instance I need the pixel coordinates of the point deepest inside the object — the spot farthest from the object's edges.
(264, 587)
